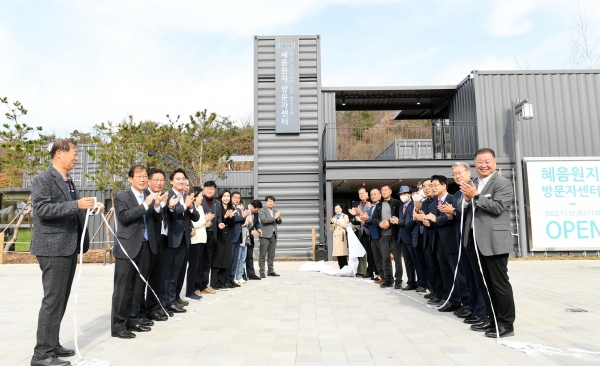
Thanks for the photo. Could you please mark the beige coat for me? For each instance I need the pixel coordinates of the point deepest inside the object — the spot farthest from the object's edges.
(340, 239)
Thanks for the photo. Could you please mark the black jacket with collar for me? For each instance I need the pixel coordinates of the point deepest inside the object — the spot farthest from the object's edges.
(377, 216)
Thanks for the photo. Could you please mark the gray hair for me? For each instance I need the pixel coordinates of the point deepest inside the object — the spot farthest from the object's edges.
(460, 163)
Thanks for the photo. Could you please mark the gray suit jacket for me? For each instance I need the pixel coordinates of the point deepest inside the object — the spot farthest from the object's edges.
(492, 217)
(55, 227)
(267, 222)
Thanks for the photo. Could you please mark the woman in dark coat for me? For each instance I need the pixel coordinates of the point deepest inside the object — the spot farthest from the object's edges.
(222, 250)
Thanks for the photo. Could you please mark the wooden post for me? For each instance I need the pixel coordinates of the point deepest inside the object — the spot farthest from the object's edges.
(314, 244)
(2, 247)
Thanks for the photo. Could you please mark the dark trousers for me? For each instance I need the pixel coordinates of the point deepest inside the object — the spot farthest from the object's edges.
(385, 246)
(156, 279)
(174, 258)
(182, 273)
(495, 272)
(477, 306)
(267, 248)
(235, 250)
(422, 269)
(435, 276)
(128, 291)
(377, 258)
(411, 263)
(342, 261)
(365, 240)
(250, 259)
(57, 278)
(448, 262)
(194, 267)
(203, 272)
(397, 251)
(217, 277)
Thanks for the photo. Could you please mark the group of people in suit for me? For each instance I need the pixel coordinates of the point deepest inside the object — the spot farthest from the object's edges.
(455, 247)
(163, 239)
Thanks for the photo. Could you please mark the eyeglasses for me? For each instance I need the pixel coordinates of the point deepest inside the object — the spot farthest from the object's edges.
(458, 173)
(140, 176)
(436, 185)
(158, 180)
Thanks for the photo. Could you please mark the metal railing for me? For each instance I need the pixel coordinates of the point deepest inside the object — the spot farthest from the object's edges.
(416, 140)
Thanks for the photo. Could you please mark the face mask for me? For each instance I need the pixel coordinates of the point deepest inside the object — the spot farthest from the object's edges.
(422, 193)
(417, 197)
(404, 198)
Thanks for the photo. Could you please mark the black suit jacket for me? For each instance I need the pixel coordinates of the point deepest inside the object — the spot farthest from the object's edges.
(180, 222)
(154, 226)
(445, 228)
(377, 218)
(216, 210)
(406, 223)
(130, 215)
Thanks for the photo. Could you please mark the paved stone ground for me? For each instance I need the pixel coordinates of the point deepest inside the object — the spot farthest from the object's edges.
(308, 318)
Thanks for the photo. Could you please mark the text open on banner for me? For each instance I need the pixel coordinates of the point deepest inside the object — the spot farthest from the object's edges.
(287, 95)
(564, 203)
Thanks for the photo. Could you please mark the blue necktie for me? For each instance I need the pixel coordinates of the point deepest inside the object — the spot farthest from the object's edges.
(144, 217)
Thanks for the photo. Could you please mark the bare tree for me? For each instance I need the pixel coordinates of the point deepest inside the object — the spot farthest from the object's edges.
(522, 64)
(583, 53)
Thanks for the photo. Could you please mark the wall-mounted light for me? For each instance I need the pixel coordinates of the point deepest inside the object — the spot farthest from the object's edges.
(418, 101)
(343, 101)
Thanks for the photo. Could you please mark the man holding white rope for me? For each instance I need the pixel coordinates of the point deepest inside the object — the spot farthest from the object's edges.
(58, 220)
(486, 206)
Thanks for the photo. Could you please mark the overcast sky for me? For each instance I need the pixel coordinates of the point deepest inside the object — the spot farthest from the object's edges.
(74, 64)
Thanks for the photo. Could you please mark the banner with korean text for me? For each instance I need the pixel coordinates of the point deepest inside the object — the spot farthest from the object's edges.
(563, 196)
(287, 95)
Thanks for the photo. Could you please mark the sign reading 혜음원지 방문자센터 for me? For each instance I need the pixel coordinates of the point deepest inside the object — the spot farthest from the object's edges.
(287, 98)
(564, 203)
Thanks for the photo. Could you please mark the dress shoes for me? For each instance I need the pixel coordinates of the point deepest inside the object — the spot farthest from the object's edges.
(158, 317)
(429, 296)
(195, 297)
(502, 332)
(207, 290)
(244, 278)
(228, 285)
(253, 277)
(125, 334)
(397, 286)
(435, 301)
(387, 284)
(50, 361)
(175, 309)
(139, 328)
(448, 308)
(419, 289)
(234, 284)
(262, 275)
(146, 322)
(483, 326)
(182, 302)
(379, 281)
(473, 319)
(61, 351)
(409, 288)
(463, 313)
(273, 274)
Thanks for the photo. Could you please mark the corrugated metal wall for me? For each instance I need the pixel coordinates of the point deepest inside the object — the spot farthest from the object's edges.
(565, 106)
(462, 114)
(288, 165)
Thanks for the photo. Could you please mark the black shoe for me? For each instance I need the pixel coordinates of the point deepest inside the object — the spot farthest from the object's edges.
(502, 332)
(262, 275)
(53, 361)
(273, 274)
(387, 284)
(125, 334)
(435, 301)
(61, 351)
(146, 322)
(234, 284)
(175, 309)
(158, 316)
(253, 277)
(182, 302)
(448, 308)
(429, 296)
(398, 286)
(228, 285)
(139, 328)
(473, 319)
(483, 326)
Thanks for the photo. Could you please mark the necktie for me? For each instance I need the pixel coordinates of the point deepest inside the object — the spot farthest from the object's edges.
(440, 202)
(144, 217)
(403, 209)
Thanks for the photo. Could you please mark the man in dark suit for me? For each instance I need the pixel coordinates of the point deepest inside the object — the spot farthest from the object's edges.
(134, 210)
(255, 232)
(405, 239)
(210, 204)
(445, 246)
(388, 235)
(58, 219)
(180, 214)
(367, 217)
(157, 238)
(269, 219)
(490, 196)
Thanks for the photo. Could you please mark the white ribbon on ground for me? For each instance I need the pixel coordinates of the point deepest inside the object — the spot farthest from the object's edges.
(355, 251)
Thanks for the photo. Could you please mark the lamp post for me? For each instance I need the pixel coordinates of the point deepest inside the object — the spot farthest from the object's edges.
(523, 110)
